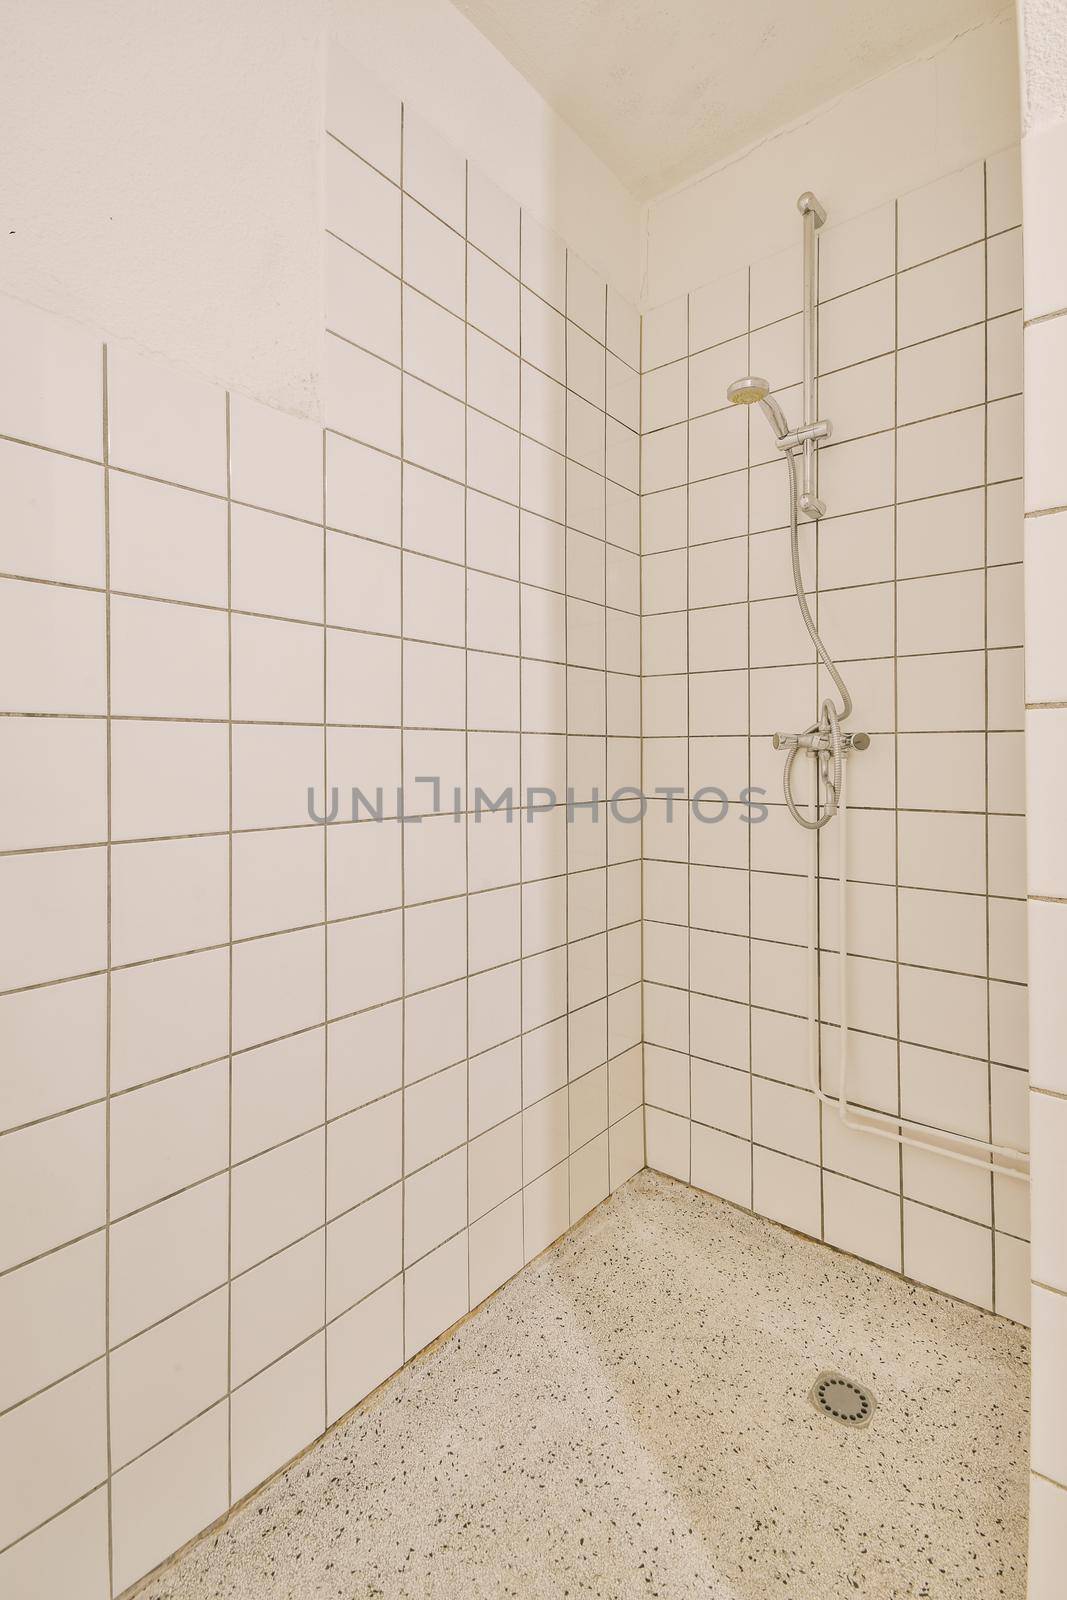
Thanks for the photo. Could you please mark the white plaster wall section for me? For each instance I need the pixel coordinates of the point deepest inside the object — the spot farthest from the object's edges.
(438, 62)
(897, 133)
(1043, 47)
(160, 181)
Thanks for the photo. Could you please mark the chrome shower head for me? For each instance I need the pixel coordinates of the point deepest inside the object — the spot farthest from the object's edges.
(750, 391)
(746, 391)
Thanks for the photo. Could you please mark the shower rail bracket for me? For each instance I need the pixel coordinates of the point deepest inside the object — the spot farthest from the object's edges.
(797, 438)
(800, 443)
(808, 203)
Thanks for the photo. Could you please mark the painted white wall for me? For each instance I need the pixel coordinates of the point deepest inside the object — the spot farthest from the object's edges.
(1043, 53)
(946, 109)
(438, 62)
(160, 180)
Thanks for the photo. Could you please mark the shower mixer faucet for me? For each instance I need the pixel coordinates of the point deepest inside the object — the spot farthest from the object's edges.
(817, 742)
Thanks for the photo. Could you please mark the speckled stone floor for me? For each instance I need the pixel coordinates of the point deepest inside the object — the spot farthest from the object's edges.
(629, 1417)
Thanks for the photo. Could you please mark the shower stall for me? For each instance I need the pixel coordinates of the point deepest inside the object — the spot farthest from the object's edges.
(827, 745)
(534, 898)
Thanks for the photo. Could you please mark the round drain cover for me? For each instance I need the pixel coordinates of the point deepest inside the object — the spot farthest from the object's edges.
(842, 1399)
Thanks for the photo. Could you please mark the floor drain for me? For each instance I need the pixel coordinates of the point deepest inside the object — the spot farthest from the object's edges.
(843, 1400)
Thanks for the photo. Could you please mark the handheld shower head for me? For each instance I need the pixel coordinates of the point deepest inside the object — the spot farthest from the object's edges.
(750, 391)
(746, 391)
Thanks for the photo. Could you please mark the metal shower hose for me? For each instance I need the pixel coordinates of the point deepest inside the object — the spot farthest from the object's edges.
(830, 718)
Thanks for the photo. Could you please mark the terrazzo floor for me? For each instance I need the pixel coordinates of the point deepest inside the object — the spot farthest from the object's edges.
(629, 1417)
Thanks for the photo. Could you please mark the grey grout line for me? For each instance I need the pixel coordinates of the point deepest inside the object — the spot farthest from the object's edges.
(829, 299)
(515, 277)
(641, 731)
(302, 928)
(466, 712)
(102, 1483)
(521, 851)
(897, 871)
(105, 486)
(986, 752)
(403, 780)
(230, 951)
(777, 666)
(563, 455)
(605, 645)
(292, 1139)
(566, 742)
(312, 1333)
(327, 1054)
(330, 432)
(428, 818)
(861, 438)
(688, 636)
(577, 872)
(311, 623)
(469, 323)
(748, 756)
(852, 366)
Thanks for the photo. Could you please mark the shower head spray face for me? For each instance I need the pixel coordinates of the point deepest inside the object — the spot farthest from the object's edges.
(746, 391)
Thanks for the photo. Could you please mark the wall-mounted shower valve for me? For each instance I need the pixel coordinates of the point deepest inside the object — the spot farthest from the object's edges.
(817, 743)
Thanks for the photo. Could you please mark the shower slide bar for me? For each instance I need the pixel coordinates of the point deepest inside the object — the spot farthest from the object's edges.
(829, 747)
(814, 214)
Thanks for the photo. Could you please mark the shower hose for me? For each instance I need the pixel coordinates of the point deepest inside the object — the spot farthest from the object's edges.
(828, 726)
(830, 767)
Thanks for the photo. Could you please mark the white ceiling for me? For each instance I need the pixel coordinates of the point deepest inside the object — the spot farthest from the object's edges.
(662, 89)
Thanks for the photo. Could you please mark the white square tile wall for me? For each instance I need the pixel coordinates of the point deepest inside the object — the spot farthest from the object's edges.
(915, 576)
(1044, 174)
(278, 1103)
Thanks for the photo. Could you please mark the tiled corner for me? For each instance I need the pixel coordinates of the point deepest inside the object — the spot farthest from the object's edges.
(317, 1096)
(916, 575)
(312, 1101)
